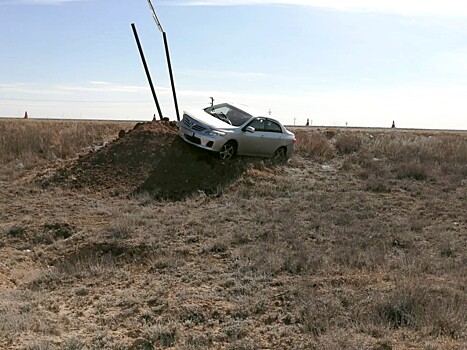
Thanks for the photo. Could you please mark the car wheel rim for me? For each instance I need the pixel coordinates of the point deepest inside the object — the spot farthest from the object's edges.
(227, 152)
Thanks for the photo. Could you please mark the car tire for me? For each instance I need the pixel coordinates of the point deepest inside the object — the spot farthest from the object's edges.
(280, 156)
(228, 150)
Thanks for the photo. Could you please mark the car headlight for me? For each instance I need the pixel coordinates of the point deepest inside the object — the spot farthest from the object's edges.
(214, 133)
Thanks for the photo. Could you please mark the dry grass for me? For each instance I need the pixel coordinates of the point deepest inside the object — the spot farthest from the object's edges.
(364, 249)
(313, 144)
(431, 310)
(348, 143)
(383, 156)
(29, 142)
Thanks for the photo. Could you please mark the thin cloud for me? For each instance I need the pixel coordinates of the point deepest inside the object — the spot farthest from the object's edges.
(100, 82)
(32, 89)
(94, 87)
(36, 2)
(225, 74)
(104, 87)
(401, 7)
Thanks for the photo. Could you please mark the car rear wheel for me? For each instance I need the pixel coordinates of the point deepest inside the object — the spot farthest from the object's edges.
(280, 155)
(228, 151)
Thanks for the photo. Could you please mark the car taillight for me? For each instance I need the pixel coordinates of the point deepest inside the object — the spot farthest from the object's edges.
(294, 140)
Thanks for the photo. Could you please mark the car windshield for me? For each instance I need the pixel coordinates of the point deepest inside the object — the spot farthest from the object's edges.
(229, 114)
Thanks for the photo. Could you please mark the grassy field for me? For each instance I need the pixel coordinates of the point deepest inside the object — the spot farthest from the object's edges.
(359, 242)
(27, 143)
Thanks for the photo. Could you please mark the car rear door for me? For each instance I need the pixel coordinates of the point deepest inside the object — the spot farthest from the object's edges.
(273, 137)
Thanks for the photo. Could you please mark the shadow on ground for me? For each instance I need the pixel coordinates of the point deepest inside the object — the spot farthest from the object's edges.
(184, 170)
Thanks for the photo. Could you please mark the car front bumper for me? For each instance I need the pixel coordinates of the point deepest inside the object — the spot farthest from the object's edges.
(200, 139)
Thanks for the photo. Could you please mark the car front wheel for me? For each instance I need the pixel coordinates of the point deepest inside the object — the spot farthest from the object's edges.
(228, 150)
(280, 156)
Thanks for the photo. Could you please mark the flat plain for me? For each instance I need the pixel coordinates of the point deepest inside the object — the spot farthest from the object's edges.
(358, 242)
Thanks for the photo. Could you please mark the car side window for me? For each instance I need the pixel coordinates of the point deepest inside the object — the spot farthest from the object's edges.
(273, 126)
(258, 124)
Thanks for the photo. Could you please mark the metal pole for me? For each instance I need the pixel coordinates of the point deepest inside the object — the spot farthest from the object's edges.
(171, 75)
(146, 70)
(159, 26)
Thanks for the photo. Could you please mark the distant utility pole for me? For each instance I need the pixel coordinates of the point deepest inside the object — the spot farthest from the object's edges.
(166, 45)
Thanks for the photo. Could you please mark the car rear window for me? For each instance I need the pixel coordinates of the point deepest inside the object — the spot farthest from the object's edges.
(273, 126)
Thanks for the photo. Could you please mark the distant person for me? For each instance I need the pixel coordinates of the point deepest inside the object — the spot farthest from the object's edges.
(154, 118)
(26, 115)
(393, 125)
(308, 122)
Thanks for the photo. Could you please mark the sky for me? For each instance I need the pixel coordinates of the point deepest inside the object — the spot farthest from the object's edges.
(360, 63)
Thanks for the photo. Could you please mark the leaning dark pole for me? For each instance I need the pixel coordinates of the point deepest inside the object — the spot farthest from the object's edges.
(146, 69)
(171, 75)
(166, 45)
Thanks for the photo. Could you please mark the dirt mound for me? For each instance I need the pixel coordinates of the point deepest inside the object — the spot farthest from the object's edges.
(124, 163)
(184, 170)
(152, 158)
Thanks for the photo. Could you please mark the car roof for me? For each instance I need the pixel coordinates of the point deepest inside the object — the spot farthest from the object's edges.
(255, 112)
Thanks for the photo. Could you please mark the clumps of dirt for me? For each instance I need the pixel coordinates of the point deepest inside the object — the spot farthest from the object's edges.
(26, 237)
(123, 163)
(151, 158)
(54, 232)
(114, 250)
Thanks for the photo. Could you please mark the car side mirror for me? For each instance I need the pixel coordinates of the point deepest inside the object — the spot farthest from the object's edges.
(249, 129)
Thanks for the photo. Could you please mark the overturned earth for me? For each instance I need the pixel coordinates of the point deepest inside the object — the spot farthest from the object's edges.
(151, 159)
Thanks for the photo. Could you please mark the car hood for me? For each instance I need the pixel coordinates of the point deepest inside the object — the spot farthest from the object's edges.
(208, 120)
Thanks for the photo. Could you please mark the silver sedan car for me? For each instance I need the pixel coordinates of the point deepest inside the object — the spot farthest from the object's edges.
(230, 130)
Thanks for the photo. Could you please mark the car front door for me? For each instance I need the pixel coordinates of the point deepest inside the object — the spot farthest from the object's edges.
(254, 143)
